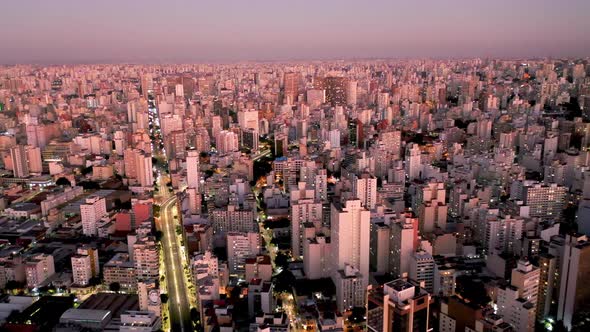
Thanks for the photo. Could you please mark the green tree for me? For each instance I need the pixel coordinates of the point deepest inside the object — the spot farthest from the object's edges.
(115, 287)
(284, 281)
(282, 260)
(86, 170)
(63, 182)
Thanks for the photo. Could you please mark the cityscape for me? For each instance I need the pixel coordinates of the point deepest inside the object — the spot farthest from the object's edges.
(333, 169)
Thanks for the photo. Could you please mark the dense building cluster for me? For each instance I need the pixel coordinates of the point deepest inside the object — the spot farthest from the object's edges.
(382, 195)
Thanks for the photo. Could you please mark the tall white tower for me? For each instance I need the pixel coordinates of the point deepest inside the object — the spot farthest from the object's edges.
(350, 235)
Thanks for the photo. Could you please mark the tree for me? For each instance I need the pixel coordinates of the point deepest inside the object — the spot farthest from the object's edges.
(164, 298)
(284, 281)
(90, 185)
(195, 316)
(282, 260)
(115, 287)
(86, 170)
(63, 182)
(357, 315)
(13, 284)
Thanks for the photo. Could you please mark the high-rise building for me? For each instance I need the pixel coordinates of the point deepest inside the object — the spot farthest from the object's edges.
(147, 84)
(233, 219)
(120, 269)
(315, 98)
(335, 89)
(85, 265)
(404, 234)
(248, 119)
(291, 86)
(350, 236)
(34, 159)
(546, 202)
(365, 189)
(459, 314)
(192, 169)
(515, 310)
(146, 259)
(250, 139)
(130, 163)
(413, 162)
(574, 294)
(355, 132)
(38, 268)
(548, 270)
(304, 209)
(20, 165)
(351, 93)
(81, 269)
(239, 247)
(502, 234)
(422, 269)
(379, 249)
(317, 255)
(145, 174)
(399, 305)
(91, 212)
(226, 141)
(525, 277)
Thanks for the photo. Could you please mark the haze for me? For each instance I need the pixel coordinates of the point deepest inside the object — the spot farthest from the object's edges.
(64, 31)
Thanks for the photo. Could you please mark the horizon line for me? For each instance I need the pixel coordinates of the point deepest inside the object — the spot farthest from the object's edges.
(292, 60)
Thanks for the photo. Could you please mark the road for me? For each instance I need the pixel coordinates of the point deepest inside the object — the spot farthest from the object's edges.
(178, 303)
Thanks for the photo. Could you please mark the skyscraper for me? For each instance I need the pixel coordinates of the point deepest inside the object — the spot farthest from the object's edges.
(574, 294)
(412, 161)
(399, 305)
(192, 169)
(91, 212)
(404, 234)
(335, 89)
(365, 189)
(304, 209)
(350, 235)
(20, 164)
(34, 159)
(291, 86)
(145, 174)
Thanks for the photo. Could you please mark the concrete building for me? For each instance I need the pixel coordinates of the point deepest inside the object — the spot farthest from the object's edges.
(192, 169)
(38, 268)
(20, 164)
(91, 212)
(350, 236)
(140, 321)
(317, 257)
(146, 259)
(364, 187)
(515, 310)
(399, 305)
(239, 247)
(120, 270)
(404, 234)
(422, 269)
(574, 294)
(304, 209)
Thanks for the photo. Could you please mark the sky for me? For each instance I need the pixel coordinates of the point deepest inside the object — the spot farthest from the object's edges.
(156, 31)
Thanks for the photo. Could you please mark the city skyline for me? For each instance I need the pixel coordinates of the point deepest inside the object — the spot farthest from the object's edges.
(64, 31)
(295, 166)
